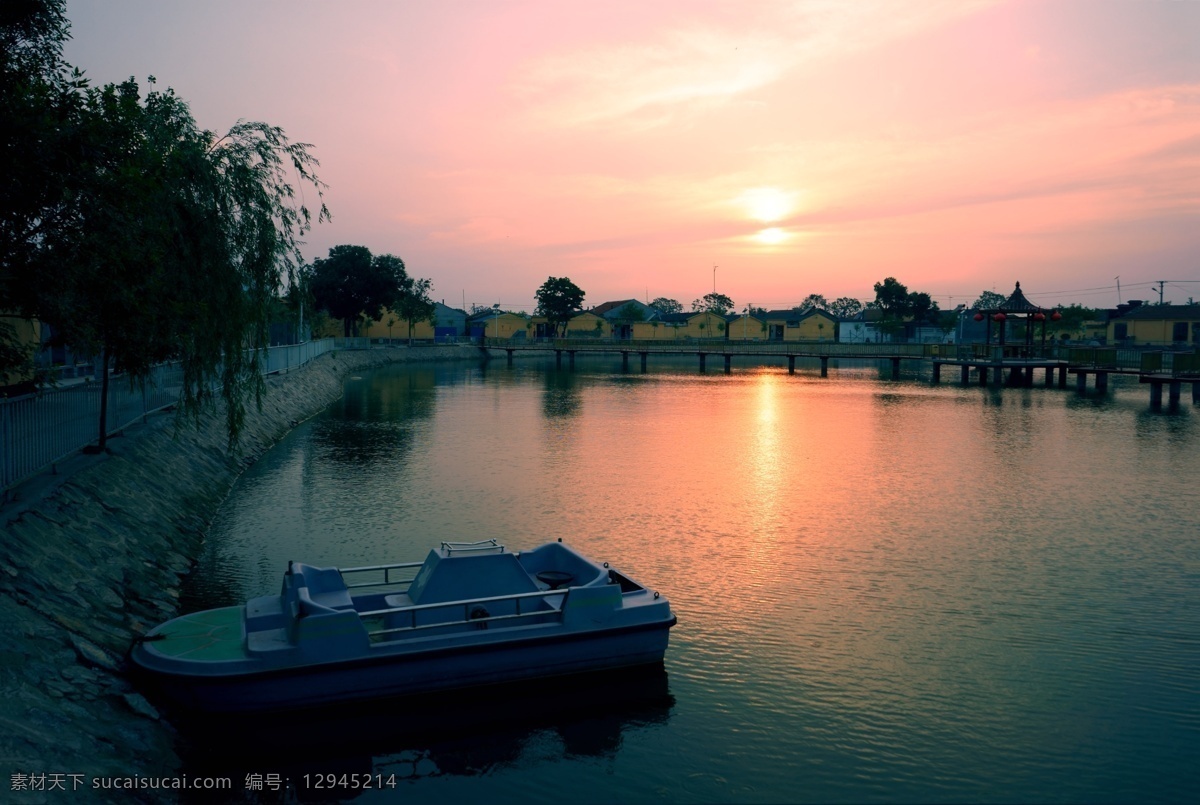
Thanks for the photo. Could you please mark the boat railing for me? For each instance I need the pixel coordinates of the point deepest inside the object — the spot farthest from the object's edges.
(386, 570)
(465, 547)
(474, 611)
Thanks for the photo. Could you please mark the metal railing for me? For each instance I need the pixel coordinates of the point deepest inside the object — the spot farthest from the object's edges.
(38, 430)
(386, 570)
(471, 616)
(472, 547)
(1129, 359)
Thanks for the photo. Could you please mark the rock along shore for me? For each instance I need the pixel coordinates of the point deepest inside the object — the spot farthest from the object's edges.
(93, 556)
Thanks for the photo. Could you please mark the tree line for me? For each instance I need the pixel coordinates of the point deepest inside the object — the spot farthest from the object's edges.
(558, 299)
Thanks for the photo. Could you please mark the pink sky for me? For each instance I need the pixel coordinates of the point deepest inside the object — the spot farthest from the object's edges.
(806, 147)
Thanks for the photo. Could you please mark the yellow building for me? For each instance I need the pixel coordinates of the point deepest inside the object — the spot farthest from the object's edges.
(706, 326)
(748, 328)
(392, 326)
(663, 329)
(1166, 325)
(812, 325)
(589, 325)
(682, 327)
(503, 325)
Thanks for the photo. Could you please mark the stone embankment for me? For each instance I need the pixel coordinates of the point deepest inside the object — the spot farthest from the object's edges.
(93, 556)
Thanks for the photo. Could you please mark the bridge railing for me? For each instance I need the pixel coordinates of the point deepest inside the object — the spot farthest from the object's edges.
(1115, 359)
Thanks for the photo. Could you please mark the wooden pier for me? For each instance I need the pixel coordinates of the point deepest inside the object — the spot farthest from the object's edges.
(1000, 365)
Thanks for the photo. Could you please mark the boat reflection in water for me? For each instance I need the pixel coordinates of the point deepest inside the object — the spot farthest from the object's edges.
(464, 732)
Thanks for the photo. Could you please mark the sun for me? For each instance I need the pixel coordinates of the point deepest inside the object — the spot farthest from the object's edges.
(767, 204)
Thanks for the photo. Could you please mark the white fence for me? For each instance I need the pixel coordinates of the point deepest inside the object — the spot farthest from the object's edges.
(37, 430)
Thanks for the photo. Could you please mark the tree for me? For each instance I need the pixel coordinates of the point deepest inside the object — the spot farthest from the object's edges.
(174, 246)
(1074, 317)
(845, 307)
(40, 101)
(713, 302)
(558, 299)
(414, 304)
(892, 298)
(921, 307)
(664, 305)
(350, 284)
(988, 300)
(16, 358)
(631, 311)
(135, 234)
(813, 300)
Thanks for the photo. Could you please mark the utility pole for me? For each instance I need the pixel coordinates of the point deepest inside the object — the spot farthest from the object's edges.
(1118, 279)
(714, 279)
(1161, 283)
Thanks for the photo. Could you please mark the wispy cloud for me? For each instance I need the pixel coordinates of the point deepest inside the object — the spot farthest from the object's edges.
(664, 74)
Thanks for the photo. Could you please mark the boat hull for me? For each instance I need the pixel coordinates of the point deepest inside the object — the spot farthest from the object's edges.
(415, 673)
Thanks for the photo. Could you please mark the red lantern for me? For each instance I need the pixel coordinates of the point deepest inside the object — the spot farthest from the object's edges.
(1000, 317)
(1039, 316)
(978, 317)
(1055, 316)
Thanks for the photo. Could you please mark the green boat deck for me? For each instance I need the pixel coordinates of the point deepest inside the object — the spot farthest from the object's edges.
(212, 635)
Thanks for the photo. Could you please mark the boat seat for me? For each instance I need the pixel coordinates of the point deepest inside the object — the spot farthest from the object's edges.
(324, 584)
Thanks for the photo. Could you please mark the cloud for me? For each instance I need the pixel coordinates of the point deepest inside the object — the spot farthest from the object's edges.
(668, 73)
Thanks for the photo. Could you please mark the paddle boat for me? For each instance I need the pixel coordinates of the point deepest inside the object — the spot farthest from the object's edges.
(471, 614)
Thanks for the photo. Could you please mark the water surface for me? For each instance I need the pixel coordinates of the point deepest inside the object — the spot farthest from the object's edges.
(886, 590)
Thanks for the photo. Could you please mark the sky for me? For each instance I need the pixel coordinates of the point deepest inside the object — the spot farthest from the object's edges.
(769, 150)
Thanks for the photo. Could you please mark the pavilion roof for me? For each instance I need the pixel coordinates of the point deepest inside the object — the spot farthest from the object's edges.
(1017, 303)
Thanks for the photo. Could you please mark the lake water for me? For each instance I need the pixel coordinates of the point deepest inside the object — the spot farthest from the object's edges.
(887, 590)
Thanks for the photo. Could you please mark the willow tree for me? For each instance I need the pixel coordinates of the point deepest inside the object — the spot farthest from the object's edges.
(176, 247)
(136, 235)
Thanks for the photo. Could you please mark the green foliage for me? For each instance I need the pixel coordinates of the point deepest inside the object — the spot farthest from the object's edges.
(352, 285)
(813, 300)
(664, 305)
(414, 304)
(714, 302)
(136, 235)
(16, 358)
(892, 298)
(845, 307)
(557, 299)
(1073, 319)
(922, 307)
(39, 101)
(174, 245)
(988, 300)
(631, 311)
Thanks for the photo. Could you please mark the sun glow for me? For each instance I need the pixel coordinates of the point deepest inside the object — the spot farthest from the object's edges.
(767, 204)
(772, 236)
